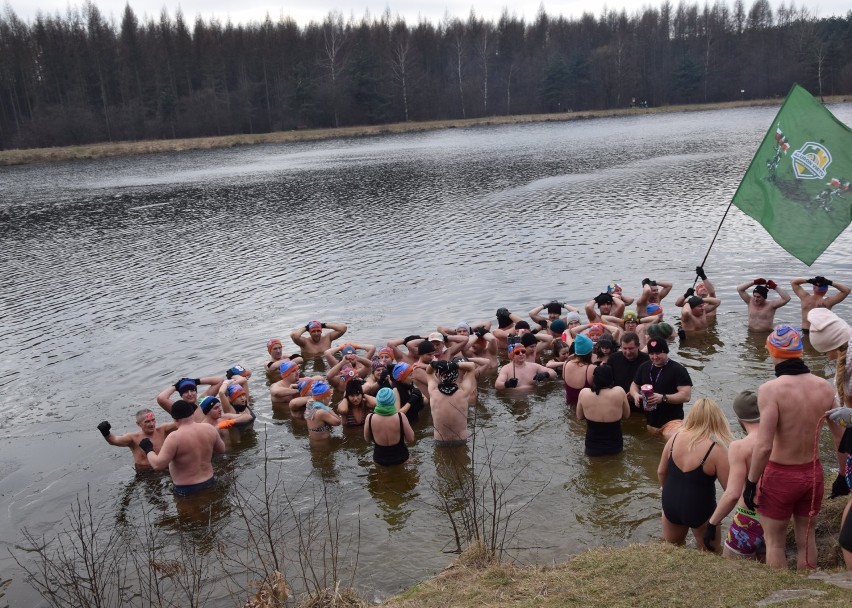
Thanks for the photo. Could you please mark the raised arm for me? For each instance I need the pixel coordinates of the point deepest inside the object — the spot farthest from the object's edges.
(329, 355)
(784, 297)
(297, 335)
(665, 288)
(741, 290)
(535, 313)
(337, 330)
(796, 284)
(842, 292)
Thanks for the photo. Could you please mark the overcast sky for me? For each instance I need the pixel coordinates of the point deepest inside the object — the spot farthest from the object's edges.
(243, 11)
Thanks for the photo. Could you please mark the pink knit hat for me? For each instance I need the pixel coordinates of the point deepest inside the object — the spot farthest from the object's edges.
(828, 331)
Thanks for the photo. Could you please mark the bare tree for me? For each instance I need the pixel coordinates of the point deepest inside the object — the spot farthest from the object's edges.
(334, 39)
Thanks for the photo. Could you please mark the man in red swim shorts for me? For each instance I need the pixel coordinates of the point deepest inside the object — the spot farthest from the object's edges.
(792, 409)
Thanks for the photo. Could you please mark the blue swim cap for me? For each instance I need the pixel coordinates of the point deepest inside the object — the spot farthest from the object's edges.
(319, 389)
(401, 371)
(286, 367)
(583, 345)
(558, 326)
(237, 370)
(186, 384)
(207, 404)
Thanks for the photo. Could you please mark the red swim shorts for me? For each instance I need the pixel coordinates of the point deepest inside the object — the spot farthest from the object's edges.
(787, 489)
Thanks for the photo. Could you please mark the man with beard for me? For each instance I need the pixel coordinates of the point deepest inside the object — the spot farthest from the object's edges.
(761, 310)
(317, 342)
(670, 388)
(448, 403)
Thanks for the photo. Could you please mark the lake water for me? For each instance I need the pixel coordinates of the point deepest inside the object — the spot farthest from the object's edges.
(122, 275)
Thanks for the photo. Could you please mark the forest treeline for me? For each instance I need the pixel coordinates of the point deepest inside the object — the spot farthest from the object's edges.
(80, 77)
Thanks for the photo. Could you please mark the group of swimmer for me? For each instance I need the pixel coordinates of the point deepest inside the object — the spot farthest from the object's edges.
(614, 363)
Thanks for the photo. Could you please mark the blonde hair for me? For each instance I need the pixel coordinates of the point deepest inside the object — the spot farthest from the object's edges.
(706, 420)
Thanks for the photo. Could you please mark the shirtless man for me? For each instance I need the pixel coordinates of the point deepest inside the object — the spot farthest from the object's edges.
(818, 298)
(187, 390)
(282, 391)
(653, 292)
(745, 536)
(276, 356)
(761, 310)
(187, 451)
(317, 342)
(482, 344)
(211, 407)
(554, 312)
(792, 408)
(520, 373)
(607, 305)
(145, 420)
(693, 315)
(505, 326)
(702, 289)
(448, 403)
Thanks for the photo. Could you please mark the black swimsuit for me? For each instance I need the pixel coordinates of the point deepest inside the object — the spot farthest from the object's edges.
(389, 455)
(603, 438)
(689, 498)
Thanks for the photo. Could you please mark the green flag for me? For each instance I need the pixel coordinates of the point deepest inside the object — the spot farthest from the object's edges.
(798, 183)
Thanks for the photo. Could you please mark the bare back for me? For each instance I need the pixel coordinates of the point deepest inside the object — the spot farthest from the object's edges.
(449, 414)
(791, 411)
(192, 446)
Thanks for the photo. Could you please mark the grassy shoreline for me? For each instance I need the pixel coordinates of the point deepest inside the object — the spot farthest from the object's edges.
(105, 150)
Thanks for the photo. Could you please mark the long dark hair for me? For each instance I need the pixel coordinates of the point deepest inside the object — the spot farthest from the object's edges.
(602, 377)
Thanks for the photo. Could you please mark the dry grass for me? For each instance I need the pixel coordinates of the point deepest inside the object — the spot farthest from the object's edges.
(334, 598)
(88, 152)
(635, 576)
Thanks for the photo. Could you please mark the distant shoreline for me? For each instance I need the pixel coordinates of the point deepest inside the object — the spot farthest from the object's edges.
(105, 150)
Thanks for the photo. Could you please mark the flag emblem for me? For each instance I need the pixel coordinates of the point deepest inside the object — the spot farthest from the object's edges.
(811, 161)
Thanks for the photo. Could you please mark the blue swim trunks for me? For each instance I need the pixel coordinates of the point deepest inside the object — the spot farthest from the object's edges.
(193, 487)
(745, 536)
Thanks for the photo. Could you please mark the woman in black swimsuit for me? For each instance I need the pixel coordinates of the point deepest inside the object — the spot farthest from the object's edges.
(691, 463)
(388, 430)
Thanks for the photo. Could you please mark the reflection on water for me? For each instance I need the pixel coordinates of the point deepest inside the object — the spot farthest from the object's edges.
(126, 274)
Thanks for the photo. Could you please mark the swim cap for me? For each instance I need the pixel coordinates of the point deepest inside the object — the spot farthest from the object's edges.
(207, 404)
(463, 325)
(354, 387)
(528, 340)
(583, 345)
(603, 298)
(522, 325)
(821, 288)
(654, 309)
(186, 384)
(182, 409)
(386, 350)
(828, 331)
(272, 344)
(695, 301)
(320, 389)
(385, 402)
(401, 371)
(347, 372)
(513, 348)
(631, 315)
(658, 346)
(237, 370)
(314, 325)
(286, 368)
(785, 342)
(554, 308)
(235, 390)
(572, 317)
(304, 385)
(558, 326)
(745, 407)
(425, 347)
(347, 349)
(660, 331)
(502, 312)
(762, 290)
(595, 331)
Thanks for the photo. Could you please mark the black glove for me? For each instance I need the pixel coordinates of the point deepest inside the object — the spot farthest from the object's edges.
(480, 331)
(323, 325)
(146, 446)
(820, 280)
(652, 283)
(839, 487)
(197, 381)
(543, 323)
(750, 493)
(307, 327)
(710, 536)
(646, 281)
(541, 376)
(295, 356)
(105, 426)
(681, 333)
(812, 281)
(512, 383)
(828, 282)
(689, 293)
(699, 270)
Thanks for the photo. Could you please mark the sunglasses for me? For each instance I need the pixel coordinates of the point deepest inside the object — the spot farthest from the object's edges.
(519, 351)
